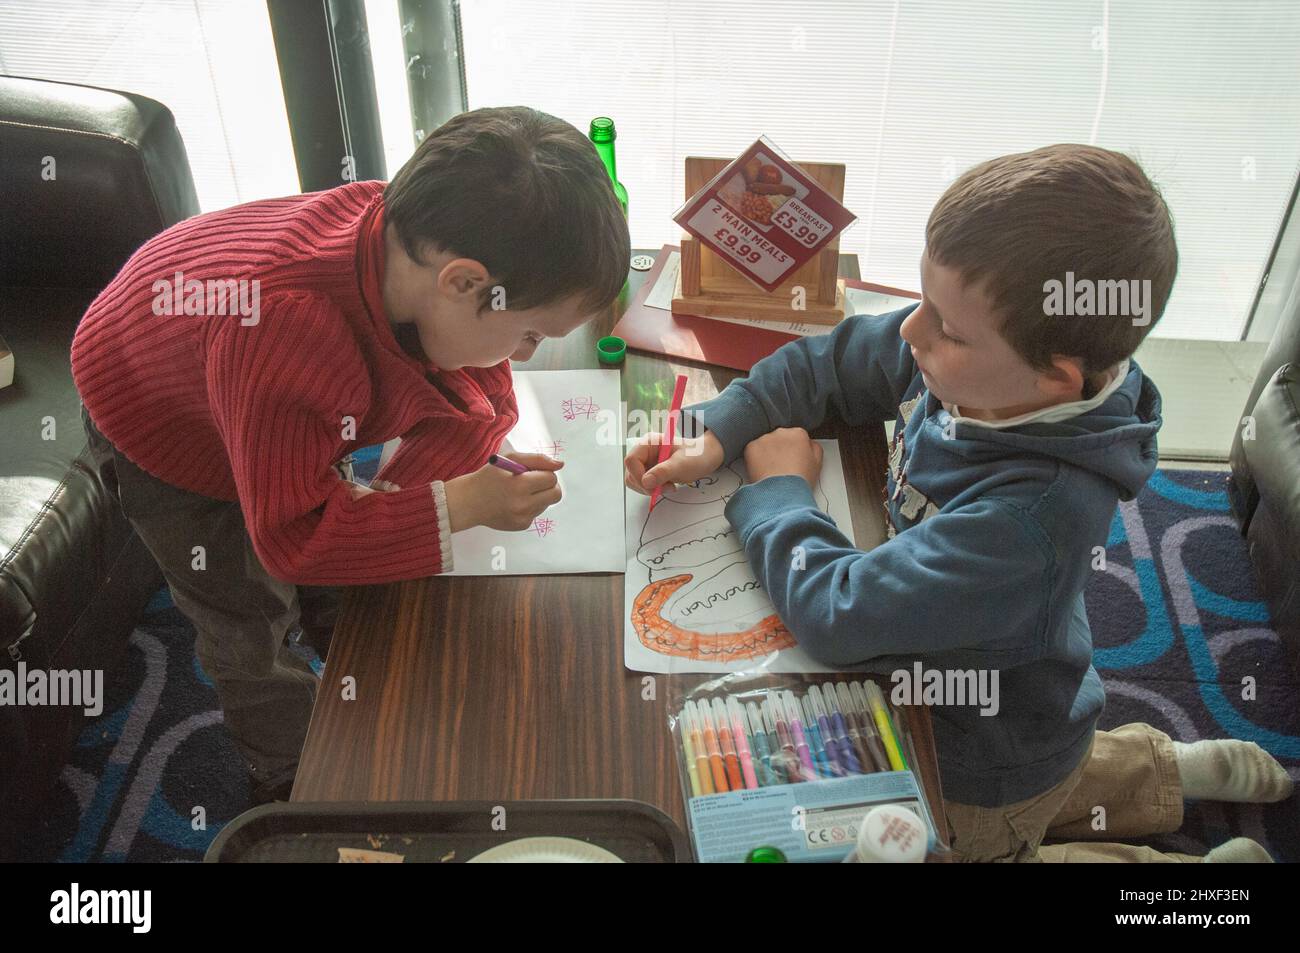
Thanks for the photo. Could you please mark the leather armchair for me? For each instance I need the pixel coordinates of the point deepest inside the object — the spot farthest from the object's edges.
(1265, 485)
(89, 175)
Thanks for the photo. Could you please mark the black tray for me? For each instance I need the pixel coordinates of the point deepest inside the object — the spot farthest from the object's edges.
(443, 832)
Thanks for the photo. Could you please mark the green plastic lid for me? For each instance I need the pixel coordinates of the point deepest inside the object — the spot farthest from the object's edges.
(765, 855)
(611, 350)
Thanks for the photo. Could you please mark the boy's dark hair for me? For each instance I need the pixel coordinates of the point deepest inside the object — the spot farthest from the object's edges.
(1016, 222)
(524, 194)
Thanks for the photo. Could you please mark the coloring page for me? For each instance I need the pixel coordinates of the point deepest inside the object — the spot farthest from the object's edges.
(692, 603)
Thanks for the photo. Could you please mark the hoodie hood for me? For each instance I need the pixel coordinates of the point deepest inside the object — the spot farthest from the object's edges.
(1115, 439)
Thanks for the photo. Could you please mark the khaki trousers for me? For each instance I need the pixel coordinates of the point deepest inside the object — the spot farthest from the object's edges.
(1126, 786)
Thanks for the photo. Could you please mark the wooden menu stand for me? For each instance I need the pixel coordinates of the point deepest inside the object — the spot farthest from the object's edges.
(708, 286)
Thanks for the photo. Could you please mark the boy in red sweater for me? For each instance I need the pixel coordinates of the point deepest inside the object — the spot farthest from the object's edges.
(238, 358)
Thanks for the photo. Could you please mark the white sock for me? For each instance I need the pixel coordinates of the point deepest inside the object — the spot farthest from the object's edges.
(1239, 850)
(1231, 770)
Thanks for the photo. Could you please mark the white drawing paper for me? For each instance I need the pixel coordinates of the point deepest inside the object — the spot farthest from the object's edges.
(691, 600)
(573, 416)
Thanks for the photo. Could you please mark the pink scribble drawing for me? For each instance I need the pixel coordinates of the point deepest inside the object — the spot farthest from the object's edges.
(552, 449)
(576, 407)
(543, 525)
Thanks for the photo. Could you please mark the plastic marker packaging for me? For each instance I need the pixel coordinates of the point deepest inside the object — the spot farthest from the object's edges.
(820, 768)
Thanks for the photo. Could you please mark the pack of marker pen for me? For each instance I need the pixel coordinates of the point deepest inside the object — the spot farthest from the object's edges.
(791, 762)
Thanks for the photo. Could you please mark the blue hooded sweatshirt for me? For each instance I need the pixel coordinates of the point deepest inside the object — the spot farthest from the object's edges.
(992, 535)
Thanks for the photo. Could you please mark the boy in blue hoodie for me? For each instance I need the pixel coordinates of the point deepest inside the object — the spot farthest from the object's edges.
(1020, 419)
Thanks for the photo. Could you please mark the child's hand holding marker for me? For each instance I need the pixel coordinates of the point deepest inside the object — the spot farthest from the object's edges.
(691, 460)
(507, 493)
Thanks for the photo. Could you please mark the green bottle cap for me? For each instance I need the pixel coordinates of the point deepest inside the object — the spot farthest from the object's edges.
(765, 855)
(602, 129)
(611, 350)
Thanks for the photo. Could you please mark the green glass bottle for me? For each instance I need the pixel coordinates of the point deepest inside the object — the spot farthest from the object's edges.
(602, 136)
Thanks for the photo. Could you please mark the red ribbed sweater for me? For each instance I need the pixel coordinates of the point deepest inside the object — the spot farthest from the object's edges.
(257, 412)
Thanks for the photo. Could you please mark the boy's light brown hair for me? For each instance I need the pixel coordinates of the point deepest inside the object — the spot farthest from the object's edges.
(1016, 222)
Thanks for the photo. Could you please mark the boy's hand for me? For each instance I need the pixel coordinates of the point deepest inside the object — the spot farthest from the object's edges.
(497, 499)
(786, 451)
(691, 459)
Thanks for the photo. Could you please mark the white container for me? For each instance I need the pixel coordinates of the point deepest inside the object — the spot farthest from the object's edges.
(890, 834)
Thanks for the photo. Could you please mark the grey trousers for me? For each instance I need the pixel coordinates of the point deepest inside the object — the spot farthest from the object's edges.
(241, 612)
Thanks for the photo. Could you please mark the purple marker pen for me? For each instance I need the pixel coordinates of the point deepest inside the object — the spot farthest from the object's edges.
(505, 463)
(847, 754)
(796, 729)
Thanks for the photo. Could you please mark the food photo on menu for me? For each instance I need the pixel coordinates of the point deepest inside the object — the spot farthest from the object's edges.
(758, 189)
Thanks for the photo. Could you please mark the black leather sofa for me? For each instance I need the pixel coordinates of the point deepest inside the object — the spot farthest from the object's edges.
(89, 175)
(1265, 484)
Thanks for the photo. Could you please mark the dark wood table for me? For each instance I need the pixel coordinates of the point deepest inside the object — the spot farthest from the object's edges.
(513, 687)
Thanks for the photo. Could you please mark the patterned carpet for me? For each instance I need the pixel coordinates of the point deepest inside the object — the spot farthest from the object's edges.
(1177, 620)
(1182, 641)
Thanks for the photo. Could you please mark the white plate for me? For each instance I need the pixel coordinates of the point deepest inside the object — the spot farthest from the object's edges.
(546, 850)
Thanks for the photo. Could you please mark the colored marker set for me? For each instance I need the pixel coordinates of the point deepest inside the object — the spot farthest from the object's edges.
(790, 762)
(834, 730)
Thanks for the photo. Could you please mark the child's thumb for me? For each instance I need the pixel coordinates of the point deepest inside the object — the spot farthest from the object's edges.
(655, 476)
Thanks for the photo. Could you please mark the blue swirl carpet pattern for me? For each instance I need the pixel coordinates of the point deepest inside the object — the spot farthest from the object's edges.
(1182, 642)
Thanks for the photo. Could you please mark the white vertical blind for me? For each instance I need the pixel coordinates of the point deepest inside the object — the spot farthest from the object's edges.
(1205, 95)
(211, 62)
(384, 27)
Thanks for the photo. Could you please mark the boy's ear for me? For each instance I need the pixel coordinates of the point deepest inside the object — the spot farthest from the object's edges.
(462, 278)
(1064, 377)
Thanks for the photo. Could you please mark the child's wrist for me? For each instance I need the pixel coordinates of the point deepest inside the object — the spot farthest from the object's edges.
(462, 509)
(713, 446)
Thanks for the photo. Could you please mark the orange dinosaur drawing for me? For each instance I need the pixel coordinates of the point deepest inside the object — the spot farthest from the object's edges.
(701, 600)
(660, 635)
